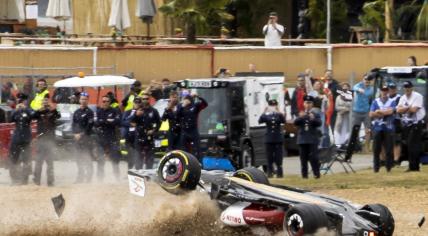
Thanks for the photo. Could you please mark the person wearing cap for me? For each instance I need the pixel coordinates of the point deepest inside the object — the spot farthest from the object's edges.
(128, 133)
(147, 122)
(42, 91)
(170, 115)
(187, 113)
(382, 114)
(412, 110)
(274, 137)
(20, 149)
(273, 31)
(83, 122)
(106, 123)
(136, 91)
(363, 95)
(393, 94)
(46, 117)
(308, 136)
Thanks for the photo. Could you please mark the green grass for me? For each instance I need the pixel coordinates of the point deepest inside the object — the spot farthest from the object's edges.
(363, 179)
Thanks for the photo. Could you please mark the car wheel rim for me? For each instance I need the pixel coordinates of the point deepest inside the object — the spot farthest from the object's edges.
(172, 170)
(295, 225)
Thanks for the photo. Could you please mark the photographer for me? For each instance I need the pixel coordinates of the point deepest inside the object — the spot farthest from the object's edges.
(308, 137)
(46, 117)
(20, 149)
(274, 137)
(273, 31)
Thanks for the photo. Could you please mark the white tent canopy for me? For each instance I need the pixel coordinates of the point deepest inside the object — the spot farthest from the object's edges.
(12, 10)
(94, 81)
(59, 9)
(119, 15)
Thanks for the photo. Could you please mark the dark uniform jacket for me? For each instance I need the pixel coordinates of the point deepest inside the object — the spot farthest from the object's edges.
(128, 132)
(150, 120)
(308, 132)
(106, 122)
(83, 121)
(22, 119)
(188, 116)
(273, 121)
(46, 121)
(174, 122)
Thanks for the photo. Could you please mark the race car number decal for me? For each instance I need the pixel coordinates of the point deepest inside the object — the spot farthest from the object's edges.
(137, 185)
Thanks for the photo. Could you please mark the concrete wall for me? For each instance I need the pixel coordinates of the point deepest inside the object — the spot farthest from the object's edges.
(149, 63)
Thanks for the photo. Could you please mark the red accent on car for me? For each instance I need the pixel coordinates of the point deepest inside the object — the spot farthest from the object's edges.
(257, 214)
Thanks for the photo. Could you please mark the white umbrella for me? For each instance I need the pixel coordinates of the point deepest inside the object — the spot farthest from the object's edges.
(146, 10)
(12, 10)
(119, 15)
(59, 10)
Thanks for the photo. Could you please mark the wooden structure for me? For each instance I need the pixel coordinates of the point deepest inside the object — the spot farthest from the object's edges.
(361, 34)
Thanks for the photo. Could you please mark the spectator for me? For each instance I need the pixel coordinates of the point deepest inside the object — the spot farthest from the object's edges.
(343, 107)
(363, 92)
(6, 92)
(252, 68)
(167, 87)
(273, 31)
(308, 137)
(223, 73)
(411, 61)
(411, 107)
(297, 96)
(321, 105)
(381, 111)
(397, 123)
(333, 86)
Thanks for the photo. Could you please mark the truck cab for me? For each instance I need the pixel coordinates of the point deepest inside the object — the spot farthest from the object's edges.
(229, 125)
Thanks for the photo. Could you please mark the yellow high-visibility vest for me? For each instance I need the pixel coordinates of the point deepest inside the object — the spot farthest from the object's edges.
(114, 105)
(130, 103)
(36, 104)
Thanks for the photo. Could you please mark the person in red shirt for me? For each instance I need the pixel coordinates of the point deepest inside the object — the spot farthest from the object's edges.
(298, 95)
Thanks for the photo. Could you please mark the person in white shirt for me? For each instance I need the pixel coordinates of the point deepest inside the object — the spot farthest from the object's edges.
(273, 31)
(411, 107)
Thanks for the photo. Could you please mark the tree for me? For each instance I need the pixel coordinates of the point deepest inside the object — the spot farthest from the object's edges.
(198, 16)
(318, 17)
(422, 22)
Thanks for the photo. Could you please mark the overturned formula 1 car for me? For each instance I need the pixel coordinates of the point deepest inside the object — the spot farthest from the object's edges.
(247, 199)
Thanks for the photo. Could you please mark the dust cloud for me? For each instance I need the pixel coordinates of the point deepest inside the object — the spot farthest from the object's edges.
(107, 209)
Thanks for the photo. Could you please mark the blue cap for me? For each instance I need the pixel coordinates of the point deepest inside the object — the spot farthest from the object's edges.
(84, 94)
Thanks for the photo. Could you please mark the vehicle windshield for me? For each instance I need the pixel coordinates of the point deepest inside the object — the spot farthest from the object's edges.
(419, 85)
(211, 118)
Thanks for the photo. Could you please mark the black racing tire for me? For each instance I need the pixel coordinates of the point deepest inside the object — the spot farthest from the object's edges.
(179, 172)
(303, 219)
(246, 156)
(386, 222)
(252, 174)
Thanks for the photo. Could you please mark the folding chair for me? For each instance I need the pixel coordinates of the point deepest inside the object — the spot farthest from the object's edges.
(343, 154)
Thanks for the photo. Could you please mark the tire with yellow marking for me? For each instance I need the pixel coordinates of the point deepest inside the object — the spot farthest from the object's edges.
(178, 172)
(252, 174)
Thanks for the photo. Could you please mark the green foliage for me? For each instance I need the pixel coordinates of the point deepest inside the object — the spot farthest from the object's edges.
(374, 15)
(318, 18)
(206, 15)
(422, 23)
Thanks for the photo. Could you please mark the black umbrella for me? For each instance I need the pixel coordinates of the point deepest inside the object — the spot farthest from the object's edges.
(146, 10)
